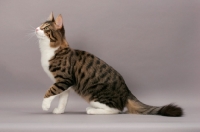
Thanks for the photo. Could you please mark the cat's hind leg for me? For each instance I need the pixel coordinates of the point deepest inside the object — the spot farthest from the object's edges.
(100, 108)
(62, 102)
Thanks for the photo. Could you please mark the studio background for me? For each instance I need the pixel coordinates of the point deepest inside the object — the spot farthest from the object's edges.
(154, 44)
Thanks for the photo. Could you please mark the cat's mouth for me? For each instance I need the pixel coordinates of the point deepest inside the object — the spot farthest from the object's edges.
(38, 34)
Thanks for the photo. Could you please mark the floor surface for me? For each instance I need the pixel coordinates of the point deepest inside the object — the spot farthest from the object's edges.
(27, 116)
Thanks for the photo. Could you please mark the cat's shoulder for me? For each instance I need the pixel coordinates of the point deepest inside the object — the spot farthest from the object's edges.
(82, 53)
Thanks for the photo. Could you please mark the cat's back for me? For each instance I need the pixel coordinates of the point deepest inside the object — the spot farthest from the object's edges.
(88, 66)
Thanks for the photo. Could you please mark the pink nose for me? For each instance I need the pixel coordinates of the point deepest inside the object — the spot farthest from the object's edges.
(36, 29)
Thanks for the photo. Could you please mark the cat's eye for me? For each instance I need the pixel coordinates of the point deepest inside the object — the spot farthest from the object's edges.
(46, 28)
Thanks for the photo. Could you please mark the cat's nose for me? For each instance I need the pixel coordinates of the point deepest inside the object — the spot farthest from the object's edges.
(36, 29)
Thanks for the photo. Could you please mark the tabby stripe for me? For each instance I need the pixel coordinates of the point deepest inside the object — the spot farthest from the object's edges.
(61, 88)
(64, 51)
(121, 103)
(160, 112)
(52, 37)
(80, 58)
(114, 85)
(98, 61)
(63, 70)
(114, 76)
(70, 56)
(92, 56)
(60, 53)
(107, 79)
(103, 66)
(65, 61)
(85, 83)
(68, 71)
(82, 76)
(96, 89)
(103, 74)
(79, 70)
(76, 52)
(52, 92)
(70, 63)
(74, 79)
(78, 85)
(60, 76)
(92, 87)
(83, 62)
(53, 88)
(54, 69)
(89, 65)
(93, 74)
(68, 80)
(59, 63)
(72, 53)
(83, 52)
(84, 88)
(151, 111)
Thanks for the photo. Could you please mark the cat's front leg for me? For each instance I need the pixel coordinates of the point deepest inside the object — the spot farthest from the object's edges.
(51, 93)
(62, 102)
(46, 103)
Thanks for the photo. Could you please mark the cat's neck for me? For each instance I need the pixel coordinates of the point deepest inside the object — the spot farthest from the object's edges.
(64, 44)
(45, 46)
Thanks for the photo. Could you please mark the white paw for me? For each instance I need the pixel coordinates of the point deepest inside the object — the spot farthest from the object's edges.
(90, 110)
(58, 111)
(46, 104)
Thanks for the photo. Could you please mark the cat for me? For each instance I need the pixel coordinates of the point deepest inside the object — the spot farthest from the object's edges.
(90, 77)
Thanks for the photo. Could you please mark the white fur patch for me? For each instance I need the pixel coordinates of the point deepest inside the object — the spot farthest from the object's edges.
(62, 102)
(47, 103)
(47, 52)
(99, 108)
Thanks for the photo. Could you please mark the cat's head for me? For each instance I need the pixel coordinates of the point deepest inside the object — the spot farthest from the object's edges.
(52, 31)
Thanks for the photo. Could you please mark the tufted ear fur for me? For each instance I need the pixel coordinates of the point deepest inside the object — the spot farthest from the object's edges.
(51, 18)
(59, 22)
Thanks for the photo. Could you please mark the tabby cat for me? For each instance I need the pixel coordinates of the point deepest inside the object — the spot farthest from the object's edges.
(90, 77)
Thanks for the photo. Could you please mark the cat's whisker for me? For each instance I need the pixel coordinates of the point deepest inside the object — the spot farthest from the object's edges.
(29, 28)
(32, 27)
(30, 36)
(31, 33)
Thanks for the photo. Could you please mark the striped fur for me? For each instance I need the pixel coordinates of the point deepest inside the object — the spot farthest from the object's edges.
(91, 78)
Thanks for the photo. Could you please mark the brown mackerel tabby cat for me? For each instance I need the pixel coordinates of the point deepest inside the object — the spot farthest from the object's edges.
(90, 77)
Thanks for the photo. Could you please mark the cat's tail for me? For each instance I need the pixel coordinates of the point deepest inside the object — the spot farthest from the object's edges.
(134, 106)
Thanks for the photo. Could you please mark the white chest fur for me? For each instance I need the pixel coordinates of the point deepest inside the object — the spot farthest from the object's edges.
(46, 54)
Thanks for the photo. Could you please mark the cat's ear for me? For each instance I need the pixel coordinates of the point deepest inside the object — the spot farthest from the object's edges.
(51, 18)
(59, 22)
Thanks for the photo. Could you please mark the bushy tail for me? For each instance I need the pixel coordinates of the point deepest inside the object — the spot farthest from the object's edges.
(134, 106)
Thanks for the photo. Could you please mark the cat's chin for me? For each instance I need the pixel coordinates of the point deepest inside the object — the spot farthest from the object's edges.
(41, 37)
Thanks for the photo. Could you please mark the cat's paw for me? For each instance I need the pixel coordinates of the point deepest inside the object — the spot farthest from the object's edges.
(58, 111)
(46, 104)
(90, 110)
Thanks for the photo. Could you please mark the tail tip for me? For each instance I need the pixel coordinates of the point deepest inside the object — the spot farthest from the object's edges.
(171, 110)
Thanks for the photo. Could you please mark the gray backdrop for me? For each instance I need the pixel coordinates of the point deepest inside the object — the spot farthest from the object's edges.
(154, 44)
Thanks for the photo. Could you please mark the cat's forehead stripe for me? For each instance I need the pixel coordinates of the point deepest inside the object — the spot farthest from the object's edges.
(44, 25)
